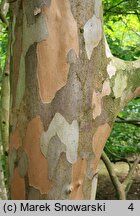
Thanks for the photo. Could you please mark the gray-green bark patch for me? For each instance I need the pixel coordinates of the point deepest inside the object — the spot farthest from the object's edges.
(12, 161)
(23, 164)
(55, 148)
(71, 56)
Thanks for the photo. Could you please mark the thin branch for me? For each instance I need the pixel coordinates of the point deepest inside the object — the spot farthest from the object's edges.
(135, 122)
(128, 179)
(124, 13)
(121, 188)
(114, 6)
(111, 171)
(130, 28)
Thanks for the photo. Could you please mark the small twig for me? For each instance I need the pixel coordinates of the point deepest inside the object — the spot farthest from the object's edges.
(135, 122)
(124, 13)
(114, 6)
(130, 28)
(128, 179)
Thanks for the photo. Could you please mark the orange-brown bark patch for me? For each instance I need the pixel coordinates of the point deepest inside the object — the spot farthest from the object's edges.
(15, 139)
(78, 175)
(97, 98)
(38, 165)
(52, 68)
(17, 186)
(99, 140)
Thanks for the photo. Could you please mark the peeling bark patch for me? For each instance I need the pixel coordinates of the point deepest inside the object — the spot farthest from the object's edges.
(107, 49)
(21, 82)
(67, 133)
(12, 161)
(13, 33)
(15, 139)
(136, 64)
(97, 10)
(97, 98)
(17, 187)
(32, 33)
(119, 85)
(94, 187)
(92, 34)
(71, 57)
(106, 88)
(52, 53)
(34, 194)
(34, 8)
(78, 175)
(111, 70)
(16, 52)
(55, 148)
(99, 140)
(137, 92)
(23, 164)
(62, 179)
(38, 165)
(127, 95)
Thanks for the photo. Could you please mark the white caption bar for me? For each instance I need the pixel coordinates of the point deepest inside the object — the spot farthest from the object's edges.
(69, 207)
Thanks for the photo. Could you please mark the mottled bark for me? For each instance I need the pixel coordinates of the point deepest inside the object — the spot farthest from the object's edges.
(66, 92)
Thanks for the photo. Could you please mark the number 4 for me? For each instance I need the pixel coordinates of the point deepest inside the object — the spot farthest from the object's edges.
(131, 207)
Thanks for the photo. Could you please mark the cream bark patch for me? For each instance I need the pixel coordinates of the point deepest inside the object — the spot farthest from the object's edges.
(92, 34)
(107, 49)
(99, 140)
(67, 133)
(94, 187)
(136, 63)
(119, 85)
(106, 88)
(52, 66)
(37, 163)
(111, 70)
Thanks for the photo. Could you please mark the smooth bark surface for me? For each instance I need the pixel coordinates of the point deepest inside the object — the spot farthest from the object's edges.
(66, 90)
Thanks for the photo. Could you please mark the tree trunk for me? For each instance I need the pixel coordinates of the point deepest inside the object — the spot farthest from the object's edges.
(66, 90)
